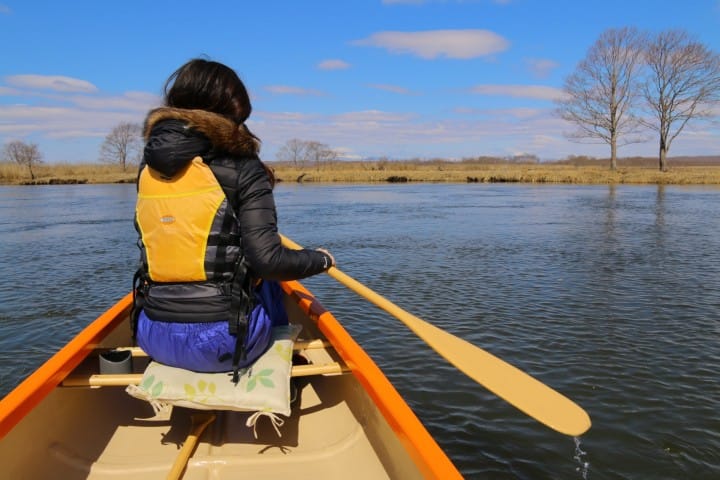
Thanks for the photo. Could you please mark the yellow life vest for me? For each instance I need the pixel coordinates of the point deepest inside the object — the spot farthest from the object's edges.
(176, 218)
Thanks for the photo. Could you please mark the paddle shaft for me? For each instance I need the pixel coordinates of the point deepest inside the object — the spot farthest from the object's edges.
(521, 390)
(199, 422)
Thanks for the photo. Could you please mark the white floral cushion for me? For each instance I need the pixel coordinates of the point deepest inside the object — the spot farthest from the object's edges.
(263, 387)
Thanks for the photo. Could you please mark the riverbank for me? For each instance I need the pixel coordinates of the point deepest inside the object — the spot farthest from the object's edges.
(399, 172)
(523, 173)
(65, 173)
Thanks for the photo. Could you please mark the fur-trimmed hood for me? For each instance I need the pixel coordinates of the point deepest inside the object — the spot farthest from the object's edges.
(175, 136)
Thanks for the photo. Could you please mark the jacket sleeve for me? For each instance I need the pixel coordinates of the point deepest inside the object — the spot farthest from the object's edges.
(259, 232)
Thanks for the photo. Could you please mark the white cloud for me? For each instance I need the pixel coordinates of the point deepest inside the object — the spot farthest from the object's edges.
(132, 101)
(282, 116)
(539, 92)
(458, 44)
(713, 110)
(136, 101)
(6, 91)
(5, 10)
(391, 88)
(371, 116)
(520, 112)
(333, 64)
(57, 83)
(541, 67)
(346, 153)
(60, 122)
(290, 90)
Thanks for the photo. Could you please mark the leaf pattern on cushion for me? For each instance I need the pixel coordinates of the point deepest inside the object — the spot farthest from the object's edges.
(147, 382)
(284, 351)
(189, 391)
(262, 377)
(157, 389)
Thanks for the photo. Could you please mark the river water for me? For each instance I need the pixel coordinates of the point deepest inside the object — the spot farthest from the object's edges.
(609, 294)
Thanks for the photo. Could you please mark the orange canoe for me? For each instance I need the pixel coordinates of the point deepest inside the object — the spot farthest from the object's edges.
(349, 422)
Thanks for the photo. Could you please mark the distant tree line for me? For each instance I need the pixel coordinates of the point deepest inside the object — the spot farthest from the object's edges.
(631, 81)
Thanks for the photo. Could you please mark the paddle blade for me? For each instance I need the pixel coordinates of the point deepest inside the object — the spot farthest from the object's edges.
(521, 390)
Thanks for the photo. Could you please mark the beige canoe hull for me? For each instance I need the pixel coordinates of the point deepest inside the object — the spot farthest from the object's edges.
(337, 430)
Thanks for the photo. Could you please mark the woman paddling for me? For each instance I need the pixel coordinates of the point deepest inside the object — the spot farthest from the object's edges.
(206, 296)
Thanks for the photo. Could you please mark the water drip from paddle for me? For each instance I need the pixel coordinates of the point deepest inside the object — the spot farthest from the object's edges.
(579, 457)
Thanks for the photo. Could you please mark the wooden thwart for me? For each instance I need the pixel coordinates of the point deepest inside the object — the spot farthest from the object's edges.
(116, 380)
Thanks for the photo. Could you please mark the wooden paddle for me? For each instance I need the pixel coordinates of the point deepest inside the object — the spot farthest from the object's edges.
(524, 392)
(199, 422)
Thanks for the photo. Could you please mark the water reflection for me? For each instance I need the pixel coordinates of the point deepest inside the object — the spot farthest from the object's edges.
(660, 216)
(610, 208)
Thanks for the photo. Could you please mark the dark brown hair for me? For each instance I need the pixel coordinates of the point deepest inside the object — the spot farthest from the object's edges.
(206, 85)
(211, 86)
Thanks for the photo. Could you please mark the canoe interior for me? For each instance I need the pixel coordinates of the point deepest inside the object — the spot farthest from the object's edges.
(335, 431)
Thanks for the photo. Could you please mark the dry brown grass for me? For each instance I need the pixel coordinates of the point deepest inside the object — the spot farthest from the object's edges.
(11, 173)
(410, 171)
(365, 172)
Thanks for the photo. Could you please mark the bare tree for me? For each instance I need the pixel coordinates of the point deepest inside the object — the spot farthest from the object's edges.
(27, 154)
(295, 151)
(320, 153)
(600, 95)
(301, 151)
(122, 145)
(682, 84)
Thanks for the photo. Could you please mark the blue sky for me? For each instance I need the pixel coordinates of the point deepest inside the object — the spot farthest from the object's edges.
(396, 78)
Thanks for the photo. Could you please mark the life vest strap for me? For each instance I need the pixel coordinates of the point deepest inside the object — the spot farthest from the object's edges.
(242, 301)
(139, 291)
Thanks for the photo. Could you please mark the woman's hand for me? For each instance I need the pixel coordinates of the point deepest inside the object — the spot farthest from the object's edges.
(329, 255)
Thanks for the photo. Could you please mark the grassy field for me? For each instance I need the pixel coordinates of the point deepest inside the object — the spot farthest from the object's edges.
(467, 172)
(401, 171)
(14, 174)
